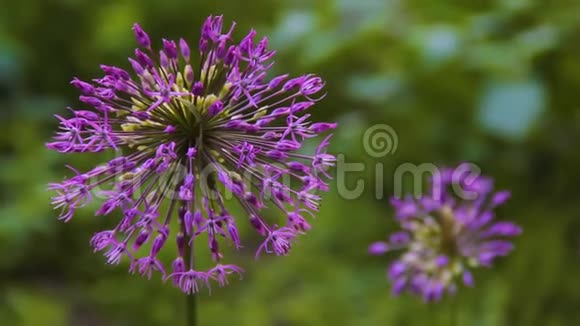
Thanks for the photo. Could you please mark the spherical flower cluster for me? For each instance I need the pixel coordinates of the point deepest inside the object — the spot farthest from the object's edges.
(190, 135)
(445, 233)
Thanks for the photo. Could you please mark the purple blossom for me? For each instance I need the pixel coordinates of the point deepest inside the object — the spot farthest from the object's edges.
(279, 241)
(189, 134)
(220, 273)
(445, 233)
(146, 266)
(189, 281)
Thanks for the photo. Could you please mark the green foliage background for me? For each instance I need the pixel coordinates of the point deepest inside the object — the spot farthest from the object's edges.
(493, 82)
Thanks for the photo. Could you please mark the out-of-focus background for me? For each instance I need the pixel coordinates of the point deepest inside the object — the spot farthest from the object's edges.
(493, 82)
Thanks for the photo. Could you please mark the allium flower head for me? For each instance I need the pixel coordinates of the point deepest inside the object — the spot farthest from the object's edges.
(447, 232)
(194, 127)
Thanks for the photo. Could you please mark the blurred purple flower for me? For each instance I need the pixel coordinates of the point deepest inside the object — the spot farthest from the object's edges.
(445, 233)
(191, 135)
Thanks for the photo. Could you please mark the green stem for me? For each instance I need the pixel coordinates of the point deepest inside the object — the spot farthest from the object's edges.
(190, 310)
(453, 312)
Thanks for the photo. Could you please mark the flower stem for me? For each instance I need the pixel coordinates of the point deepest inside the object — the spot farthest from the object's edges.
(190, 310)
(453, 312)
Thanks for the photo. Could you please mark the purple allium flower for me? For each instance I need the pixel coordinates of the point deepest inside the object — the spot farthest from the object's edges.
(194, 132)
(445, 233)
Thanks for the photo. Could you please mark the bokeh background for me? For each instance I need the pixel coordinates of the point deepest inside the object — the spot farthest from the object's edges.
(495, 82)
